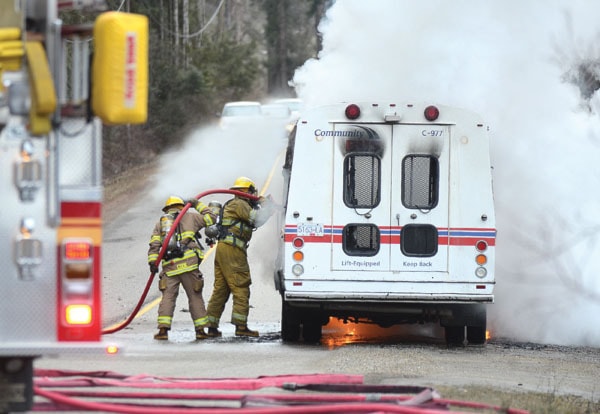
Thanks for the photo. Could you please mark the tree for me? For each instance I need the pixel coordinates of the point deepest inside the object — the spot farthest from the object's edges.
(291, 39)
(204, 53)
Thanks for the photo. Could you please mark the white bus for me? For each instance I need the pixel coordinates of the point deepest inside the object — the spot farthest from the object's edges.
(389, 219)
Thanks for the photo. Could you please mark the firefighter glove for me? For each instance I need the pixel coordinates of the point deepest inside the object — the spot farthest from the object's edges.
(192, 201)
(153, 268)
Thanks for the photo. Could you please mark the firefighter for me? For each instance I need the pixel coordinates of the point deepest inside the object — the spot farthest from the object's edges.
(180, 262)
(239, 218)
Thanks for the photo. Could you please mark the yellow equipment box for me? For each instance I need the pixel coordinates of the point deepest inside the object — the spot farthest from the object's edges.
(120, 68)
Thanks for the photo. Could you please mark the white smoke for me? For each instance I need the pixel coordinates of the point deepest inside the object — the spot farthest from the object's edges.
(505, 59)
(212, 158)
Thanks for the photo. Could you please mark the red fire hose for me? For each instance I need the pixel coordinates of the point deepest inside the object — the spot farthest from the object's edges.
(163, 250)
(331, 393)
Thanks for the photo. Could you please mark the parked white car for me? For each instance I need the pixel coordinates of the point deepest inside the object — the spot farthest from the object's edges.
(239, 113)
(280, 116)
(296, 105)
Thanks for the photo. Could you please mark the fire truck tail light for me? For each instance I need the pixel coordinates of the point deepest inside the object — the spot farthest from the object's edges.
(78, 314)
(78, 307)
(481, 259)
(298, 243)
(78, 289)
(77, 250)
(431, 113)
(78, 270)
(352, 111)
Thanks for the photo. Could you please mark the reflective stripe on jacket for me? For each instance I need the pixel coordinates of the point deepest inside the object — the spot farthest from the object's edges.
(238, 218)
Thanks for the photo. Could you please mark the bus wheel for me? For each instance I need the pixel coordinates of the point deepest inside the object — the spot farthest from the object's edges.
(455, 335)
(476, 335)
(311, 331)
(290, 324)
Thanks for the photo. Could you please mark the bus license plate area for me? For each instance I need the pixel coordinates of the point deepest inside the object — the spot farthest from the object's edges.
(310, 229)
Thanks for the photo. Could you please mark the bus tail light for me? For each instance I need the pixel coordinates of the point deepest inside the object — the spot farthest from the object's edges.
(431, 113)
(352, 111)
(481, 245)
(481, 259)
(298, 256)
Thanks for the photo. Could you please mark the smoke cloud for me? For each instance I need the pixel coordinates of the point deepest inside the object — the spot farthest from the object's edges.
(212, 158)
(510, 61)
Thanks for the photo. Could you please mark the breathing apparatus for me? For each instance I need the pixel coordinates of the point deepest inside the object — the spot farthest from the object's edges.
(214, 231)
(174, 249)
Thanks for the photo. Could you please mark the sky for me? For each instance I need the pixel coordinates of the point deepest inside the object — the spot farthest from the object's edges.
(507, 60)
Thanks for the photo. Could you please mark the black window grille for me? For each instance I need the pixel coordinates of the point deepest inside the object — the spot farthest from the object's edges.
(419, 240)
(362, 178)
(420, 181)
(361, 239)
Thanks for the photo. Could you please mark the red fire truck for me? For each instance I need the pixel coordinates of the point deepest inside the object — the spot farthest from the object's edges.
(54, 99)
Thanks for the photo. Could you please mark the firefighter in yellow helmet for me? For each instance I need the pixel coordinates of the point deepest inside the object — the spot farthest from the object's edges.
(180, 262)
(240, 217)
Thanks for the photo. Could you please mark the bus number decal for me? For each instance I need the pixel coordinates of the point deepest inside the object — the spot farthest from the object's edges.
(432, 132)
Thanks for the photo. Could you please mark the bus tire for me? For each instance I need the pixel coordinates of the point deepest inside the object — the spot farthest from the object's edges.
(476, 335)
(311, 331)
(455, 335)
(290, 324)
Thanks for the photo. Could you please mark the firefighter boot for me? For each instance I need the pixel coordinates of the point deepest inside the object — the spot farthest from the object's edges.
(200, 334)
(213, 333)
(242, 330)
(162, 334)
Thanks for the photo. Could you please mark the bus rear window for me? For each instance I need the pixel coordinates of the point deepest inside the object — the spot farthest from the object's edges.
(420, 181)
(419, 240)
(361, 239)
(362, 177)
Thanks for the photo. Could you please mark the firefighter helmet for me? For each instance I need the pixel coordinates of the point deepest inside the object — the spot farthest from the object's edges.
(244, 184)
(173, 201)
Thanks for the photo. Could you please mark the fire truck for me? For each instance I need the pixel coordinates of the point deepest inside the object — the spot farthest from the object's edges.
(389, 219)
(55, 95)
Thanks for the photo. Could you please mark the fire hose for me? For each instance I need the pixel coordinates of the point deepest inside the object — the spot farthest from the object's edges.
(163, 249)
(332, 393)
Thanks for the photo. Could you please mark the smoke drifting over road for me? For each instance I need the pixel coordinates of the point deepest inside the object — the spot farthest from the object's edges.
(512, 62)
(212, 158)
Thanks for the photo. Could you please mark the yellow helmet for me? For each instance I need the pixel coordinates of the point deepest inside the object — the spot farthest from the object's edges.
(244, 183)
(173, 201)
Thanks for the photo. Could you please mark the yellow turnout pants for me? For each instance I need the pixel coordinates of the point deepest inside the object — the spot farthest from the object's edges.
(232, 276)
